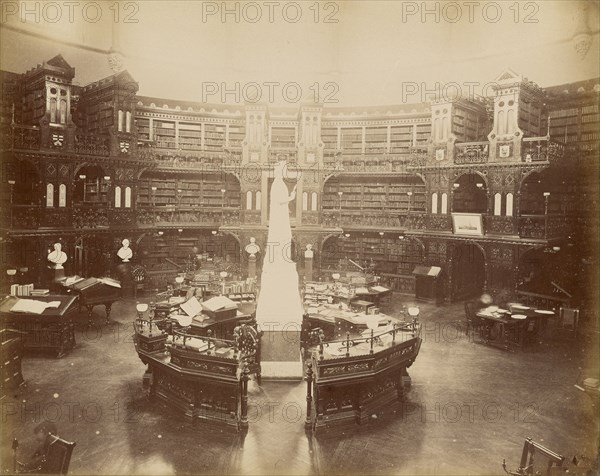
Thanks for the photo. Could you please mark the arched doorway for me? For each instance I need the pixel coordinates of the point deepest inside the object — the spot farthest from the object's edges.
(468, 271)
(469, 194)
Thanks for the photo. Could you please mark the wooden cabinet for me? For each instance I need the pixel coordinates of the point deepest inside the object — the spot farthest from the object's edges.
(11, 376)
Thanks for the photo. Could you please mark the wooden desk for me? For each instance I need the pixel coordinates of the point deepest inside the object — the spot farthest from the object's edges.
(208, 387)
(353, 379)
(52, 330)
(92, 293)
(508, 333)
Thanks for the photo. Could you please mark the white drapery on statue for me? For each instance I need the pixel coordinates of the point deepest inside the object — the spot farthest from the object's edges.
(279, 300)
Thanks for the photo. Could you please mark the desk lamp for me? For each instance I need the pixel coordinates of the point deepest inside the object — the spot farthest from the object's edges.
(413, 312)
(372, 323)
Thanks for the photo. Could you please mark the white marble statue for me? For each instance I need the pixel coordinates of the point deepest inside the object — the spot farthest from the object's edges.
(57, 257)
(279, 299)
(125, 252)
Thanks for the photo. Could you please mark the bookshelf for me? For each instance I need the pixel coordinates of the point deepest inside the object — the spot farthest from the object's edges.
(194, 191)
(164, 134)
(237, 132)
(423, 133)
(351, 140)
(190, 136)
(329, 136)
(389, 194)
(530, 119)
(283, 137)
(214, 137)
(143, 128)
(401, 138)
(376, 140)
(388, 253)
(164, 256)
(468, 126)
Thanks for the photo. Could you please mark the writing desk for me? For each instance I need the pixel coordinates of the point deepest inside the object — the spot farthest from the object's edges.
(52, 330)
(508, 332)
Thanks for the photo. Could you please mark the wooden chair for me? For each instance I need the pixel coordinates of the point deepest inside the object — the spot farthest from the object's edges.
(56, 460)
(247, 339)
(139, 279)
(475, 323)
(58, 457)
(568, 322)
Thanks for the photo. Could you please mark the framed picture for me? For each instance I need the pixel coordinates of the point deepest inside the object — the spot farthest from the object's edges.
(467, 224)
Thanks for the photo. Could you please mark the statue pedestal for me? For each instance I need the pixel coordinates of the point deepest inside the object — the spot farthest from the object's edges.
(280, 357)
(308, 268)
(252, 266)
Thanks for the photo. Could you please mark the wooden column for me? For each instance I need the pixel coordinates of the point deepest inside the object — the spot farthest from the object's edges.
(309, 380)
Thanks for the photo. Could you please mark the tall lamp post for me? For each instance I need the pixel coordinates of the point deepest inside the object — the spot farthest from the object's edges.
(82, 177)
(108, 189)
(340, 193)
(12, 185)
(222, 205)
(154, 203)
(546, 198)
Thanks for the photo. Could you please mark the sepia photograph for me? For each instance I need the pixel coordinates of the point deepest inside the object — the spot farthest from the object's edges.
(310, 237)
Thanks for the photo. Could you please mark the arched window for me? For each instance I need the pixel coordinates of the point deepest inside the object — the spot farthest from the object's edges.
(53, 110)
(510, 120)
(438, 129)
(304, 201)
(63, 111)
(117, 197)
(128, 121)
(444, 203)
(498, 204)
(444, 127)
(501, 123)
(434, 202)
(50, 195)
(120, 121)
(313, 201)
(62, 195)
(249, 200)
(509, 204)
(127, 197)
(258, 201)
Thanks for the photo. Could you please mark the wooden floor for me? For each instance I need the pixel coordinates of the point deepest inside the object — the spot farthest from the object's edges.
(470, 406)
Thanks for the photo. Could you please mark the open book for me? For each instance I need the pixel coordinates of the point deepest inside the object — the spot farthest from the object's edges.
(32, 306)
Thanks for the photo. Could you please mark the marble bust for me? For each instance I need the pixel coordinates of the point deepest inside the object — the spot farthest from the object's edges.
(309, 253)
(125, 252)
(57, 257)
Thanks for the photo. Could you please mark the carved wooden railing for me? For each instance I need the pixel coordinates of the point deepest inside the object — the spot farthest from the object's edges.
(205, 160)
(250, 217)
(471, 153)
(21, 137)
(543, 226)
(541, 149)
(178, 216)
(92, 144)
(401, 335)
(372, 219)
(500, 225)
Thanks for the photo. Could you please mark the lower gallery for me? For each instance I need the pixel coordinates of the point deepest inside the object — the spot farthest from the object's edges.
(198, 288)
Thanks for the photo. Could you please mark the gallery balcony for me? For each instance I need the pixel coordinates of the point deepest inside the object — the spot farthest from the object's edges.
(541, 149)
(191, 160)
(376, 220)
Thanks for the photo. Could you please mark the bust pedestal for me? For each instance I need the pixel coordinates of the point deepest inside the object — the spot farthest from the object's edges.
(252, 266)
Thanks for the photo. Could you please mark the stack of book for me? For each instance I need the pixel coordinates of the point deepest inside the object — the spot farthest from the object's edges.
(26, 290)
